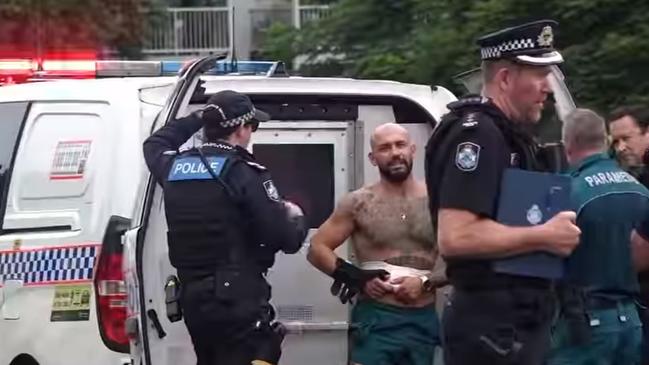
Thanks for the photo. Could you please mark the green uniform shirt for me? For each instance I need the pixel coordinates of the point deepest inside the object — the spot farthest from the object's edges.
(609, 203)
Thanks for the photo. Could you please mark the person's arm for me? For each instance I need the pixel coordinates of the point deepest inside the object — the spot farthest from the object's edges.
(349, 280)
(463, 233)
(273, 222)
(469, 192)
(161, 147)
(640, 249)
(331, 235)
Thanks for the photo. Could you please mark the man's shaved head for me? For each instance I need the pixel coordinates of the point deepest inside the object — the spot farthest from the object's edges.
(385, 130)
(392, 151)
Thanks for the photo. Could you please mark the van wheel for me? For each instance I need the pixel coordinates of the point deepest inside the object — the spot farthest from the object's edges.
(24, 359)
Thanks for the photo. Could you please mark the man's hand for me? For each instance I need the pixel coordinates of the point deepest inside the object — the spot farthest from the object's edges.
(561, 235)
(349, 280)
(408, 288)
(378, 287)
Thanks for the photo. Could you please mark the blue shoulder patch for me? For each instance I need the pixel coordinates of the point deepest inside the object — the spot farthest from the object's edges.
(192, 168)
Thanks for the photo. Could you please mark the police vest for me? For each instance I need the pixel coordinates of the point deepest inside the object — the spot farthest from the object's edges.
(442, 144)
(205, 224)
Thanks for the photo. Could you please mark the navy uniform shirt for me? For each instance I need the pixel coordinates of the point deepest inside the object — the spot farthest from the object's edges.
(609, 203)
(251, 182)
(473, 154)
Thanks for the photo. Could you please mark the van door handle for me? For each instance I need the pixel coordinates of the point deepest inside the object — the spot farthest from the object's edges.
(153, 316)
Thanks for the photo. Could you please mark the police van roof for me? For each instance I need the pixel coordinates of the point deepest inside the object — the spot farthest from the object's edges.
(82, 90)
(435, 103)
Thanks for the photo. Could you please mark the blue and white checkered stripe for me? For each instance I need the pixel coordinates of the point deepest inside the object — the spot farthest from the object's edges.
(513, 45)
(48, 265)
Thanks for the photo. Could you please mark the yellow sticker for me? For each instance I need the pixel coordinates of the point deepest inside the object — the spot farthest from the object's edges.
(71, 303)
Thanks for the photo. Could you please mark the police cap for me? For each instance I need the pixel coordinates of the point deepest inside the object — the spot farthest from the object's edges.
(229, 109)
(530, 43)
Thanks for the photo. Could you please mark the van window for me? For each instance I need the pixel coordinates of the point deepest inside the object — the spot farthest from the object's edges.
(304, 174)
(12, 116)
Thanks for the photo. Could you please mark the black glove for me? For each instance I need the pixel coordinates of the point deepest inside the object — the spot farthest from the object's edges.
(269, 346)
(350, 280)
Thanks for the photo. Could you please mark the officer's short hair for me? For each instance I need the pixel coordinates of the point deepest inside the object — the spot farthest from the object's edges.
(490, 68)
(584, 129)
(639, 113)
(214, 133)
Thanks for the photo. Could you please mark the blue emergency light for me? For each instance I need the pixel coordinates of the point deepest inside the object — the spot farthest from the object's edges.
(226, 67)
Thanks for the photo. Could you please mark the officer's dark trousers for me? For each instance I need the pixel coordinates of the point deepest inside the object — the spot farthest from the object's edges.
(498, 326)
(644, 317)
(223, 331)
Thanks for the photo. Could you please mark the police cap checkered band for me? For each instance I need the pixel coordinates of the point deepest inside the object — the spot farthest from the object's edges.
(228, 109)
(531, 43)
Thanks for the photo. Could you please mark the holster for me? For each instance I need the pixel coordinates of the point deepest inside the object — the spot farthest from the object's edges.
(172, 299)
(573, 309)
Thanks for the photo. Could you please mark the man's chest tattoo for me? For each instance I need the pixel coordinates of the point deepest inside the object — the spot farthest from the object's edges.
(395, 223)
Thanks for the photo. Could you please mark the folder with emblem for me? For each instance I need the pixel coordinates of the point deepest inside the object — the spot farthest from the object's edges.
(529, 198)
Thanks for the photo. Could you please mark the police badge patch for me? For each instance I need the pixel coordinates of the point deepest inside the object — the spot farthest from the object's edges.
(271, 190)
(467, 155)
(534, 215)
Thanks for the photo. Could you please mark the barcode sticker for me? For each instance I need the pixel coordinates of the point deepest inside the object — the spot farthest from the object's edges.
(70, 160)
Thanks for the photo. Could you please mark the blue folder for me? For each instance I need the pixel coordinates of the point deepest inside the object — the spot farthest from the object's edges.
(529, 198)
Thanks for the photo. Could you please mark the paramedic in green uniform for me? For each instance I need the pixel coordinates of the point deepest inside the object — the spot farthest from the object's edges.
(609, 203)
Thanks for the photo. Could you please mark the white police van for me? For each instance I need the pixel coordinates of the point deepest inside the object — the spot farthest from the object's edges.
(70, 169)
(72, 181)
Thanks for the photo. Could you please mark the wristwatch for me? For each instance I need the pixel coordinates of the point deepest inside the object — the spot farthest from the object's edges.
(426, 284)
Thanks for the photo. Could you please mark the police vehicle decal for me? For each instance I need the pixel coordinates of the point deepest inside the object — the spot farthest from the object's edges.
(192, 168)
(49, 265)
(467, 156)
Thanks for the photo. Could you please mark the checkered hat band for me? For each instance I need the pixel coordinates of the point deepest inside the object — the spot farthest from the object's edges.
(239, 120)
(514, 45)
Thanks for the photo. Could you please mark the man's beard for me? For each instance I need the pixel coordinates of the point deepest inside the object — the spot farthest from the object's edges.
(399, 175)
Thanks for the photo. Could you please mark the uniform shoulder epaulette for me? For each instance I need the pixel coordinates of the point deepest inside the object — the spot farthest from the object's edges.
(470, 120)
(185, 149)
(256, 166)
(471, 100)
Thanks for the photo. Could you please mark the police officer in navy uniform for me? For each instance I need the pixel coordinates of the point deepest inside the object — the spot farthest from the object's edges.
(495, 318)
(226, 221)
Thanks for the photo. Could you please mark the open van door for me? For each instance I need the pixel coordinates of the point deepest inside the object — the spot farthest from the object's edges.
(155, 337)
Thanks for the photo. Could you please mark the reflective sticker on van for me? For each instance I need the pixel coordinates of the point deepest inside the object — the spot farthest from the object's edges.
(70, 158)
(71, 303)
(52, 265)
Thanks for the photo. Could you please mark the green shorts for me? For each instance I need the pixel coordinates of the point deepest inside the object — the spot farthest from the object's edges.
(383, 334)
(616, 338)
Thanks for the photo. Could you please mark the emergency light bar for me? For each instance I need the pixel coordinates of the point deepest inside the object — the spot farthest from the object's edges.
(23, 70)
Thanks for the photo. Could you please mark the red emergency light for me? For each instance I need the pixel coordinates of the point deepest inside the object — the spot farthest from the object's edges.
(16, 70)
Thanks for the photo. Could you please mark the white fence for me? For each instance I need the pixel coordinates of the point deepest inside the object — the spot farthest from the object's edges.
(305, 13)
(189, 30)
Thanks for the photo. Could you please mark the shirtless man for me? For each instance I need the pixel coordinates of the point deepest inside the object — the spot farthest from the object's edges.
(394, 320)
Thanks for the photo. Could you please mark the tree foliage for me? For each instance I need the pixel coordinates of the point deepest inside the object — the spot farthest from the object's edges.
(71, 25)
(605, 42)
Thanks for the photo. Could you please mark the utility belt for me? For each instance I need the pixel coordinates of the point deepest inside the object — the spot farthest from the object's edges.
(239, 291)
